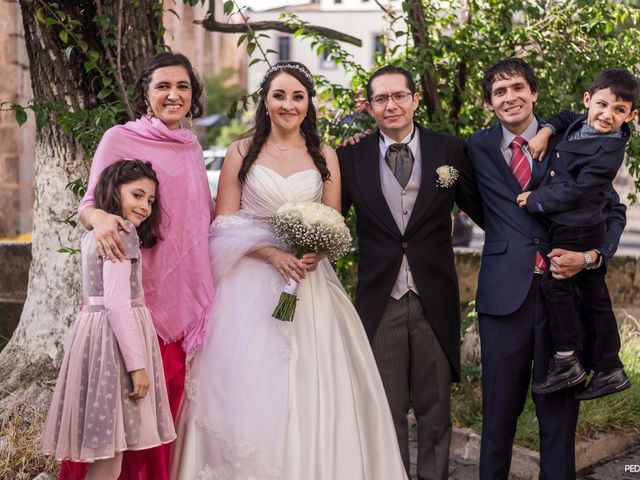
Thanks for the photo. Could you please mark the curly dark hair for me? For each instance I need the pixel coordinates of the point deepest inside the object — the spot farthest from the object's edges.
(160, 60)
(260, 132)
(107, 195)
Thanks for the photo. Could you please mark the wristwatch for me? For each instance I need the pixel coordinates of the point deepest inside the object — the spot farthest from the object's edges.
(588, 263)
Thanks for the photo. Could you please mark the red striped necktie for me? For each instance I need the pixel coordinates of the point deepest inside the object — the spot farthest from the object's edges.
(522, 171)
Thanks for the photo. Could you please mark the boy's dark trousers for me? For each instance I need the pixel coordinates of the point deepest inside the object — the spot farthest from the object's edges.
(585, 293)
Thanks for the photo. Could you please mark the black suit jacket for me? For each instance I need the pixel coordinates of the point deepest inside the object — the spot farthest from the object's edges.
(577, 189)
(426, 240)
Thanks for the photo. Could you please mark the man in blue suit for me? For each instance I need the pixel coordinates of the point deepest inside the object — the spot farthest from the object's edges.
(512, 318)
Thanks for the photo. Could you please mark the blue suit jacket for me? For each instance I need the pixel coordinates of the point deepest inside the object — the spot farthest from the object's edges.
(577, 189)
(512, 235)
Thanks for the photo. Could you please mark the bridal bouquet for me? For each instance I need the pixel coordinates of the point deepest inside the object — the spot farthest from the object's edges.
(308, 227)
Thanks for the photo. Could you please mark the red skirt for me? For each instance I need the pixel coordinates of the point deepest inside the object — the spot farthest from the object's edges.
(151, 464)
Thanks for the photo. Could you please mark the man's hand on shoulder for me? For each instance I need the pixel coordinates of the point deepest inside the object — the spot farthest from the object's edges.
(355, 139)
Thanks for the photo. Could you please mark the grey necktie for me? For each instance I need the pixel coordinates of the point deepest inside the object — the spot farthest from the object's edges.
(400, 161)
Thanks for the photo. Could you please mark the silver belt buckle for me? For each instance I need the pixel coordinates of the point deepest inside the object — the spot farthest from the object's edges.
(538, 271)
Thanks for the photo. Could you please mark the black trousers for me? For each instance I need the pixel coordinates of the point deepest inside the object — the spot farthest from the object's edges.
(515, 348)
(585, 294)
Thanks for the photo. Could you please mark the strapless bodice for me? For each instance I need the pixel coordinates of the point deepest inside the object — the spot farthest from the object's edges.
(265, 190)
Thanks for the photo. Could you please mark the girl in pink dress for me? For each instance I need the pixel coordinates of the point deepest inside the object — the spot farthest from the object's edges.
(110, 395)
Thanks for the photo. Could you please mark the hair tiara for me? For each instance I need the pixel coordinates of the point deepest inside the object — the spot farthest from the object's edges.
(287, 66)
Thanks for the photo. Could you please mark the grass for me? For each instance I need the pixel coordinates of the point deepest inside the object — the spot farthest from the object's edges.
(620, 412)
(20, 454)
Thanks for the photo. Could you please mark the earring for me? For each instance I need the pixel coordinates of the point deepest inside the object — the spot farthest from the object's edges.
(189, 118)
(149, 111)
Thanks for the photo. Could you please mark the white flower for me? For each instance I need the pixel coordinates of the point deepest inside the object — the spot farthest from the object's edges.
(312, 227)
(447, 176)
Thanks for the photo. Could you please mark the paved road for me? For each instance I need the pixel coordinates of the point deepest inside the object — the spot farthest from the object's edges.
(625, 467)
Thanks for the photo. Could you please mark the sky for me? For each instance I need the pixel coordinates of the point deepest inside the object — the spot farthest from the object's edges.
(265, 4)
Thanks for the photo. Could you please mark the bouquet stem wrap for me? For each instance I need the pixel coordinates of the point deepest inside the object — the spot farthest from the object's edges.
(308, 227)
(286, 307)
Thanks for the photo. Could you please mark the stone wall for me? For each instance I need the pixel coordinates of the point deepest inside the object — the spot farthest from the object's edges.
(16, 143)
(623, 280)
(15, 259)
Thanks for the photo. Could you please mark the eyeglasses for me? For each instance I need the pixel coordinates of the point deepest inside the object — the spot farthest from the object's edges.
(398, 98)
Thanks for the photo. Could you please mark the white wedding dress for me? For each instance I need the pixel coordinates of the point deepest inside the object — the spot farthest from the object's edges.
(267, 399)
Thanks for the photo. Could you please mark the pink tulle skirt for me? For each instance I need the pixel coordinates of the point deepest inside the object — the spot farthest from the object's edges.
(91, 416)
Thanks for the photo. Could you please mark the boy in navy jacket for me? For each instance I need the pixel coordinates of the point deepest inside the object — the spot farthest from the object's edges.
(575, 198)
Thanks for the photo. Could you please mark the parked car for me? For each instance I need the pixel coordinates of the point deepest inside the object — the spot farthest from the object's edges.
(213, 159)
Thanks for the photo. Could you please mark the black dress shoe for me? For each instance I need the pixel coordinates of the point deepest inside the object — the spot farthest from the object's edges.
(564, 372)
(605, 383)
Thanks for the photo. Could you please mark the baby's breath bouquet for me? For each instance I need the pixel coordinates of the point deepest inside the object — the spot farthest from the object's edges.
(308, 227)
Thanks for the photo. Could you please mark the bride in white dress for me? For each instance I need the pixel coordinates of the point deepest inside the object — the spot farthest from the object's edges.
(267, 399)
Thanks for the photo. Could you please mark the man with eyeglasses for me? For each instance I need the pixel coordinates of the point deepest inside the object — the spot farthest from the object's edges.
(403, 182)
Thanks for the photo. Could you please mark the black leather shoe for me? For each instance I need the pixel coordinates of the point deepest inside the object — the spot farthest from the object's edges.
(564, 372)
(605, 383)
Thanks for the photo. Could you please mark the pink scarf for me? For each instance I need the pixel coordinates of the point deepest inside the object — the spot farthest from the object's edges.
(176, 275)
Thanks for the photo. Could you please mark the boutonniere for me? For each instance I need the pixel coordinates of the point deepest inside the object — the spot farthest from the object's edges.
(447, 176)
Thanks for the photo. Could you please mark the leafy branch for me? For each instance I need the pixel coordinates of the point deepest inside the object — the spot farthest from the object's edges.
(210, 23)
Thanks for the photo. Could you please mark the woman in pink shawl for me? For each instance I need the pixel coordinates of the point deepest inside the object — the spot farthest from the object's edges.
(176, 275)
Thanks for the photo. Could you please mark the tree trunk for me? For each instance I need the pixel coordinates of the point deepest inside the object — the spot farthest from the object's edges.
(418, 29)
(29, 363)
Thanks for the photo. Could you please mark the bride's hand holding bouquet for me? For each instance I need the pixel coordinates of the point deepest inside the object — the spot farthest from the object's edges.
(310, 229)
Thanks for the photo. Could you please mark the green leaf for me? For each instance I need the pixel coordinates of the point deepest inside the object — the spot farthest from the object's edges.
(255, 60)
(68, 250)
(233, 108)
(21, 114)
(51, 21)
(241, 38)
(93, 55)
(250, 48)
(64, 36)
(88, 66)
(107, 81)
(104, 93)
(41, 118)
(40, 16)
(228, 7)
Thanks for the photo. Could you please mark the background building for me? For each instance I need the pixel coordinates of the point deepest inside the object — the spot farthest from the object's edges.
(363, 19)
(210, 52)
(16, 144)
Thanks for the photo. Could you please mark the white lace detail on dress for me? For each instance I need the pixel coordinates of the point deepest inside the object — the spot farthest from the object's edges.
(207, 473)
(239, 458)
(229, 221)
(189, 381)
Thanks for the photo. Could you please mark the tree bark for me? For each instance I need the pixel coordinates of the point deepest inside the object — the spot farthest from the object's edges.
(417, 25)
(29, 363)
